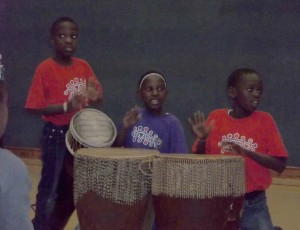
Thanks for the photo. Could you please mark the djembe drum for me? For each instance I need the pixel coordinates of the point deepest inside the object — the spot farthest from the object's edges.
(112, 187)
(198, 191)
(90, 128)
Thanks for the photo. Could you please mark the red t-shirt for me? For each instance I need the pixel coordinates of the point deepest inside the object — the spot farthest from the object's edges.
(258, 133)
(55, 84)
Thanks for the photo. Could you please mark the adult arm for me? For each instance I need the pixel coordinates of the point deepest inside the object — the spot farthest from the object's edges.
(15, 188)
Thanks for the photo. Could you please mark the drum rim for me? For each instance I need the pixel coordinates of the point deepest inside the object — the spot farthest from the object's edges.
(68, 144)
(82, 141)
(122, 156)
(193, 156)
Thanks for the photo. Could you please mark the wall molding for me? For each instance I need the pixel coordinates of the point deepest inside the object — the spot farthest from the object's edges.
(35, 153)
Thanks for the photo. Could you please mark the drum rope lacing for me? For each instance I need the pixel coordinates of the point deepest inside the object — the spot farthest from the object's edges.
(205, 177)
(119, 180)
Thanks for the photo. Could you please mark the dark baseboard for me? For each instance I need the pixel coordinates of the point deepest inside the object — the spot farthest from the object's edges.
(35, 153)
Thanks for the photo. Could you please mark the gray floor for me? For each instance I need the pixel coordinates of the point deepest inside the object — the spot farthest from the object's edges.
(283, 199)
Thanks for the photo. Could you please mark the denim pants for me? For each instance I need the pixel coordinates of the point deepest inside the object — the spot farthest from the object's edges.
(54, 152)
(256, 214)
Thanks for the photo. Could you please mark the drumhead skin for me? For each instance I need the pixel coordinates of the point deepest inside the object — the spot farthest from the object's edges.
(93, 128)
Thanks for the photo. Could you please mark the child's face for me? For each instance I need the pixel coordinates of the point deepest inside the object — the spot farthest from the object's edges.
(64, 40)
(153, 93)
(246, 94)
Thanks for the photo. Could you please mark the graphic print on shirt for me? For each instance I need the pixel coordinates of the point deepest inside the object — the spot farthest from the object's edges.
(146, 136)
(239, 140)
(75, 87)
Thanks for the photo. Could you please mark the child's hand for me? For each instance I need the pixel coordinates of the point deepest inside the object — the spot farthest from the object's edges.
(199, 127)
(77, 102)
(232, 148)
(131, 117)
(91, 90)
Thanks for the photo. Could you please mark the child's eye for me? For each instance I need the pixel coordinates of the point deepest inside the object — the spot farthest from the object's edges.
(147, 89)
(74, 36)
(160, 89)
(250, 89)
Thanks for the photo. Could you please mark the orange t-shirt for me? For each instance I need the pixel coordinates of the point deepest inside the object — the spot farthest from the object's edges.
(55, 84)
(258, 133)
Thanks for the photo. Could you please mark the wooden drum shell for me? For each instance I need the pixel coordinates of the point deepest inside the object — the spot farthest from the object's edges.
(96, 207)
(211, 203)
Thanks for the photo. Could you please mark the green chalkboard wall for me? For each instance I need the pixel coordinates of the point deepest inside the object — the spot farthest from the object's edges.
(195, 44)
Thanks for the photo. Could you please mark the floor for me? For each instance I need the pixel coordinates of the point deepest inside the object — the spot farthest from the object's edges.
(34, 168)
(283, 199)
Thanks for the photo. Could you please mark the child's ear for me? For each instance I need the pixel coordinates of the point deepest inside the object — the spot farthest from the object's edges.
(231, 91)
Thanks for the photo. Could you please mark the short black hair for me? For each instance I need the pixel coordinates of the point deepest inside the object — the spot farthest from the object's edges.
(235, 76)
(60, 20)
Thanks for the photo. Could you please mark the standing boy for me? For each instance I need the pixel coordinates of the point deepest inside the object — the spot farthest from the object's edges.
(253, 134)
(61, 86)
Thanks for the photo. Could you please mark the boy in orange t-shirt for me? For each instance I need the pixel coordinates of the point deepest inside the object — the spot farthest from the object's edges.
(253, 134)
(61, 86)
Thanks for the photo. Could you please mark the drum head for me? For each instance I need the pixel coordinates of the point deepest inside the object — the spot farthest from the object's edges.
(93, 128)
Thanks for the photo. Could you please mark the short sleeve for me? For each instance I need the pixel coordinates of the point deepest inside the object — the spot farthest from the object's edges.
(37, 95)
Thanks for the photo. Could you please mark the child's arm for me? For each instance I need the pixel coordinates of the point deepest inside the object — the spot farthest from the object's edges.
(93, 96)
(129, 119)
(201, 131)
(275, 163)
(199, 146)
(77, 102)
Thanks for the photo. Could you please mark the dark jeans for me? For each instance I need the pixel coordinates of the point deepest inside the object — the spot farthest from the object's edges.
(64, 205)
(56, 180)
(256, 214)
